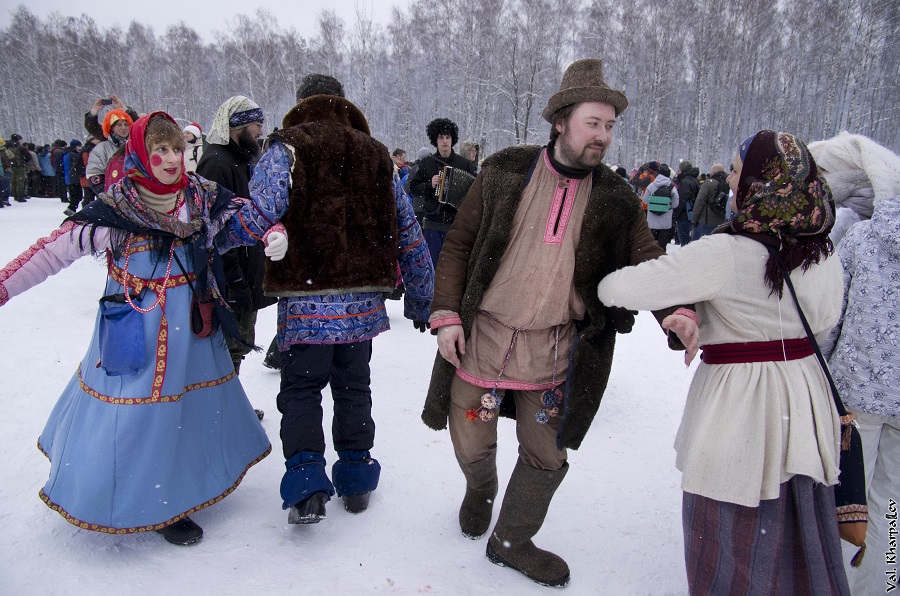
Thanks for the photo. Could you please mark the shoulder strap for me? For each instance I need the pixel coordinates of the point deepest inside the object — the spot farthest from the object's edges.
(812, 338)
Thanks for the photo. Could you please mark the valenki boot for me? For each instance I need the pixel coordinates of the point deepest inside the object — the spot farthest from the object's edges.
(481, 490)
(525, 505)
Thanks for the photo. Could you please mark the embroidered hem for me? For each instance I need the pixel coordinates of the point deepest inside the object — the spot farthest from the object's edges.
(153, 399)
(505, 384)
(137, 529)
(852, 513)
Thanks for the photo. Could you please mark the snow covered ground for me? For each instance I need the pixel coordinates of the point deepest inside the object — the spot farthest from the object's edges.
(616, 519)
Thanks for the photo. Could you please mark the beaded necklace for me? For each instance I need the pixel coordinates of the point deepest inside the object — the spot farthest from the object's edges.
(179, 202)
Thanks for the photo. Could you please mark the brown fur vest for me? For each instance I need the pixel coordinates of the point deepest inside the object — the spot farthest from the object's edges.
(612, 221)
(342, 217)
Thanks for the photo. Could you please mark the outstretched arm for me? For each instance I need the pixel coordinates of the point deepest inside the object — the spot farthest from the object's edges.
(47, 257)
(269, 192)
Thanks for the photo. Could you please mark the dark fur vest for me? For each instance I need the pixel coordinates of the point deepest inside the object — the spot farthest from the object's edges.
(342, 217)
(605, 245)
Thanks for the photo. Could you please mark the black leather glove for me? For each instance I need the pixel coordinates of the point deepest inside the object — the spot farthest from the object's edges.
(422, 326)
(621, 318)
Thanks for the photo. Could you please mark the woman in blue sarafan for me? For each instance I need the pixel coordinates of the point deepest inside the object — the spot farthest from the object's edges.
(154, 425)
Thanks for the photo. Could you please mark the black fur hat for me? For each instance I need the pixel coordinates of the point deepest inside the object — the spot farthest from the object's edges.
(442, 126)
(319, 84)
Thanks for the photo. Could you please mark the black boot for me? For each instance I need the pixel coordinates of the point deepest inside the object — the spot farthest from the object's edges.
(273, 356)
(182, 532)
(525, 505)
(356, 503)
(481, 490)
(309, 511)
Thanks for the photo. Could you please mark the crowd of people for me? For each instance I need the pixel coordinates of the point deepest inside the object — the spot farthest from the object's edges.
(525, 267)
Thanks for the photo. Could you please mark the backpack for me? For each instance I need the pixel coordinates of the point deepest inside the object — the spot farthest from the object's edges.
(661, 200)
(718, 205)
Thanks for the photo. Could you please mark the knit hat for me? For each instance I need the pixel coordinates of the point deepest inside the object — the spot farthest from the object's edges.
(847, 152)
(665, 170)
(74, 143)
(423, 153)
(194, 129)
(112, 117)
(583, 81)
(684, 166)
(442, 126)
(235, 112)
(653, 166)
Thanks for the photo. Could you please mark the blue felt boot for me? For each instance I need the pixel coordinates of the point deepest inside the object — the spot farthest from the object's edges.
(305, 488)
(355, 475)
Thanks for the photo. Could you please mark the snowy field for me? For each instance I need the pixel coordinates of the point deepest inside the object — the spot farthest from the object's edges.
(616, 519)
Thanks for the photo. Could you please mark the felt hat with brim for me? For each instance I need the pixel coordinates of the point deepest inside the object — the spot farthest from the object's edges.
(583, 81)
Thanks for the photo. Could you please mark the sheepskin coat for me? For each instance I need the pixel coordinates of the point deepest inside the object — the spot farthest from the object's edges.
(342, 216)
(614, 234)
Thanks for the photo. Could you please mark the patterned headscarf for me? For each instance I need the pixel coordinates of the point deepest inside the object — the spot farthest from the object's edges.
(783, 201)
(237, 111)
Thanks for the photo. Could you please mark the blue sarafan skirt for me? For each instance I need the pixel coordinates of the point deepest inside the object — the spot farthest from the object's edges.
(788, 545)
(137, 453)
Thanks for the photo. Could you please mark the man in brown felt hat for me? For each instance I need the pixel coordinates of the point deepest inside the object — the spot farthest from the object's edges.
(519, 326)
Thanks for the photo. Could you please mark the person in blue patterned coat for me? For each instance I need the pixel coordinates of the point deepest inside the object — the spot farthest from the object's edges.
(349, 224)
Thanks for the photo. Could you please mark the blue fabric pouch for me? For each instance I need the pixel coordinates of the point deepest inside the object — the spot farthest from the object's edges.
(121, 338)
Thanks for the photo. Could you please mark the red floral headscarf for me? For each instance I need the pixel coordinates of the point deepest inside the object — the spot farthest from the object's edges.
(783, 201)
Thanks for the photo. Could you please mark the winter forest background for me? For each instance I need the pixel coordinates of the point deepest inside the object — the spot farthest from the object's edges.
(700, 75)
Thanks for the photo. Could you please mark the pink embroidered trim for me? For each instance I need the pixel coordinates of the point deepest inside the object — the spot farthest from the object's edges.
(502, 384)
(445, 321)
(279, 227)
(685, 312)
(32, 250)
(569, 190)
(4, 295)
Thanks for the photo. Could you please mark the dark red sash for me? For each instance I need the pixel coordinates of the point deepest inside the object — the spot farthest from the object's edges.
(757, 351)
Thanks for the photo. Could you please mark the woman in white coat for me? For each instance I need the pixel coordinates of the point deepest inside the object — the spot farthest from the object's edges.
(758, 444)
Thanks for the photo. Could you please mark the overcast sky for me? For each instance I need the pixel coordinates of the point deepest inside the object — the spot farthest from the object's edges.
(206, 16)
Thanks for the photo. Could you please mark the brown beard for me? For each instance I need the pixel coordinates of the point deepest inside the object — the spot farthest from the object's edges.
(571, 155)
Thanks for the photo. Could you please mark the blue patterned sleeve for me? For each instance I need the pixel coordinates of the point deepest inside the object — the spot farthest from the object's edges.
(415, 260)
(269, 191)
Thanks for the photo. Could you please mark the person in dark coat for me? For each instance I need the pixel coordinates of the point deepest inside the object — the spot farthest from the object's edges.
(437, 217)
(705, 219)
(688, 187)
(228, 160)
(519, 327)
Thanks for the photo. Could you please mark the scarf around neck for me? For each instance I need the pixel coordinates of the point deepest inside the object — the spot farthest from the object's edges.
(209, 207)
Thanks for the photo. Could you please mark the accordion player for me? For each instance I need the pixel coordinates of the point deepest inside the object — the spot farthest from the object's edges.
(453, 186)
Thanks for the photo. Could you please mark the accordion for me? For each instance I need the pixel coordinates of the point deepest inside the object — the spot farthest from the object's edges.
(453, 186)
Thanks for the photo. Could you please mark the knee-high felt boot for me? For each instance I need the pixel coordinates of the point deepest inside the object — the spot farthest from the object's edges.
(481, 490)
(524, 508)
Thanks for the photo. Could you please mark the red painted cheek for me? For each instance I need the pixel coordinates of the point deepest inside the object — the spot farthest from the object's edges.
(155, 161)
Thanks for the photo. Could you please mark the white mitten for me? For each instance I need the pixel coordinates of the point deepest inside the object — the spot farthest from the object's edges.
(276, 245)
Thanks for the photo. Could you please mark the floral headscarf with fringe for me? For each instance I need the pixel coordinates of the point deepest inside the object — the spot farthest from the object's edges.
(783, 201)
